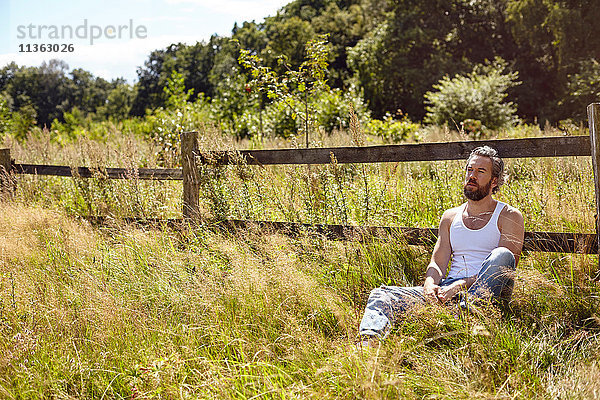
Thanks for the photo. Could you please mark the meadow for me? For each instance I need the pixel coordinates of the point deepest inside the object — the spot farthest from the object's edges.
(127, 311)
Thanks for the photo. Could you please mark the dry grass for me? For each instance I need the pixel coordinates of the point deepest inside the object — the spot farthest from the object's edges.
(128, 312)
(125, 312)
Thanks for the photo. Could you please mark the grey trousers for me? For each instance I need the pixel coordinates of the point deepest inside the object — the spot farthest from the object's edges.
(386, 303)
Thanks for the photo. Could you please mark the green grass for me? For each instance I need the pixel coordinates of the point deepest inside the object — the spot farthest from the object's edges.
(128, 312)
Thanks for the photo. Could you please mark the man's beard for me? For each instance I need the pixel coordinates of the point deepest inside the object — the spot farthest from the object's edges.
(478, 194)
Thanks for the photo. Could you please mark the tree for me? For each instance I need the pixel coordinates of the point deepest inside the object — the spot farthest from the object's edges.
(87, 92)
(292, 89)
(152, 78)
(118, 103)
(194, 63)
(286, 38)
(555, 42)
(417, 44)
(40, 91)
(583, 88)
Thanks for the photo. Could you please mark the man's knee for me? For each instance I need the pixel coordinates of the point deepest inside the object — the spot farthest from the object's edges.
(379, 299)
(501, 256)
(377, 293)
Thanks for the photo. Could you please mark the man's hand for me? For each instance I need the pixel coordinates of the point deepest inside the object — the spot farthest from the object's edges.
(446, 293)
(431, 291)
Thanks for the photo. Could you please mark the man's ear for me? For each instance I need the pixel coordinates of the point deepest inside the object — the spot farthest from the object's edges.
(494, 182)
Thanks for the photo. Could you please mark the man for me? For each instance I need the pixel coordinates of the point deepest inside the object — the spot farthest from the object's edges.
(482, 239)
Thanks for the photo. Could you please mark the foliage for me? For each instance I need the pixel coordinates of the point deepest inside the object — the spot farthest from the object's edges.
(300, 99)
(392, 130)
(555, 40)
(5, 118)
(583, 88)
(193, 62)
(294, 87)
(392, 52)
(480, 95)
(416, 44)
(43, 94)
(287, 39)
(331, 108)
(237, 106)
(44, 88)
(364, 60)
(180, 115)
(23, 121)
(18, 123)
(73, 126)
(117, 106)
(177, 96)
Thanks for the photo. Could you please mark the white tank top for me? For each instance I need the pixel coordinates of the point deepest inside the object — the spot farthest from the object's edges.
(471, 246)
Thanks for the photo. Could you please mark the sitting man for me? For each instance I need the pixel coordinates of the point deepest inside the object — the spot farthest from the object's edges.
(482, 238)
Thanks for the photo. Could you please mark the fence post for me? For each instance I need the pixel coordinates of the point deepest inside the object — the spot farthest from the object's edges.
(593, 111)
(6, 184)
(191, 177)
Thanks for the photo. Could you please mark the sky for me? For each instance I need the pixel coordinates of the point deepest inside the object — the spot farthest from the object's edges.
(111, 38)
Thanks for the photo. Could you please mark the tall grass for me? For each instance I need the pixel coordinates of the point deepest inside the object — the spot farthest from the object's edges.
(127, 312)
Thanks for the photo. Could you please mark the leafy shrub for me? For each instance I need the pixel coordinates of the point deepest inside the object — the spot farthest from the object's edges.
(392, 130)
(479, 96)
(73, 126)
(331, 108)
(5, 118)
(329, 111)
(23, 121)
(280, 118)
(16, 123)
(167, 124)
(236, 106)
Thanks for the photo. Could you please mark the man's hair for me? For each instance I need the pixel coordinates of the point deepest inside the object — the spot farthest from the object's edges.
(497, 163)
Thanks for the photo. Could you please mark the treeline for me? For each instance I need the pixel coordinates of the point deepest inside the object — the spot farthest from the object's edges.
(385, 53)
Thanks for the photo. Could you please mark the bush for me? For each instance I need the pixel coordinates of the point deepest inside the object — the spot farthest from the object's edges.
(23, 121)
(5, 118)
(74, 125)
(392, 130)
(285, 117)
(331, 108)
(167, 123)
(280, 118)
(477, 96)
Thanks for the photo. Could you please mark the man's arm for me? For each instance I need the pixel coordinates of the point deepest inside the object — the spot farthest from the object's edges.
(440, 258)
(512, 231)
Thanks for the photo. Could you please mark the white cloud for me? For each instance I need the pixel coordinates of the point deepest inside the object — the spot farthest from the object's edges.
(242, 10)
(166, 18)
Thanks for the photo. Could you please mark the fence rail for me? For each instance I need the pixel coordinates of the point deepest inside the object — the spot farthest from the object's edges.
(562, 146)
(108, 173)
(561, 242)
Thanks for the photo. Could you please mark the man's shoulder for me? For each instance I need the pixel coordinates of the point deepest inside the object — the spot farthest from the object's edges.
(510, 211)
(511, 214)
(450, 213)
(453, 211)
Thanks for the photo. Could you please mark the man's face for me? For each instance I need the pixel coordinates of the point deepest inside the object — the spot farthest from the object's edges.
(478, 178)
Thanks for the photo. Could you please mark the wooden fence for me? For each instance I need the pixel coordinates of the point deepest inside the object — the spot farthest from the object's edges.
(587, 243)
